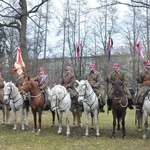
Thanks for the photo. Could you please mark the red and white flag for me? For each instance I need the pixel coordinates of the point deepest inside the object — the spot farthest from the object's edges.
(19, 65)
(140, 54)
(78, 50)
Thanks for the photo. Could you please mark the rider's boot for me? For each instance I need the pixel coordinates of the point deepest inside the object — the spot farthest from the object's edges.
(109, 103)
(101, 107)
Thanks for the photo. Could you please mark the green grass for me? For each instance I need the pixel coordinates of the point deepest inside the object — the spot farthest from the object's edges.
(26, 140)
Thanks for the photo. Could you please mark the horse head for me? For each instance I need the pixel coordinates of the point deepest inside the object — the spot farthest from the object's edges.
(82, 88)
(118, 87)
(7, 91)
(26, 86)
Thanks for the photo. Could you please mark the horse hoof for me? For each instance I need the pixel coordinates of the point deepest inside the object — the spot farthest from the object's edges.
(14, 129)
(23, 129)
(112, 137)
(144, 136)
(97, 136)
(67, 135)
(139, 129)
(58, 133)
(124, 137)
(52, 125)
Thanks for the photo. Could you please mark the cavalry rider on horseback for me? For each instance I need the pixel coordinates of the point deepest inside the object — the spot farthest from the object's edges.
(43, 82)
(117, 74)
(68, 81)
(94, 79)
(144, 80)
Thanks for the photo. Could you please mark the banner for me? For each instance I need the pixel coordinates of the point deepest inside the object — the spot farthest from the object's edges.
(140, 54)
(109, 47)
(78, 50)
(19, 65)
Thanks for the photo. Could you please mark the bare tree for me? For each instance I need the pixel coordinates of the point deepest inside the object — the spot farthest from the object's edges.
(16, 17)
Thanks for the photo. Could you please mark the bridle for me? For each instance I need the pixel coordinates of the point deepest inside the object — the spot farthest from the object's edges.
(85, 98)
(9, 95)
(119, 99)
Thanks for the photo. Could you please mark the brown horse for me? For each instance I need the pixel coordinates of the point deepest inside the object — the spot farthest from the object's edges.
(119, 106)
(37, 100)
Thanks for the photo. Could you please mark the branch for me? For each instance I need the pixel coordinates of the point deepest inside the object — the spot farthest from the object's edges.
(35, 8)
(14, 24)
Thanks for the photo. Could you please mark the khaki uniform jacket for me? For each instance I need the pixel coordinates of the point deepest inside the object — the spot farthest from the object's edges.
(69, 80)
(94, 79)
(44, 85)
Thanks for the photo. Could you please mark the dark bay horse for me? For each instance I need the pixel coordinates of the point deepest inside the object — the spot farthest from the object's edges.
(119, 106)
(37, 100)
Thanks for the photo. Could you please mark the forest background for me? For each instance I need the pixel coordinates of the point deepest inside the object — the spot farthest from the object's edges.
(49, 31)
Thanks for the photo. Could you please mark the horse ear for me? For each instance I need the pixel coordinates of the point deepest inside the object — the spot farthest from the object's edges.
(28, 77)
(77, 82)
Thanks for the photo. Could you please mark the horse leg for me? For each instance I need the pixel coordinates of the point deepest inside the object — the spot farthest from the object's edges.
(3, 117)
(68, 122)
(22, 118)
(60, 122)
(123, 127)
(53, 118)
(7, 114)
(118, 125)
(96, 123)
(86, 122)
(144, 136)
(15, 120)
(39, 120)
(74, 118)
(114, 125)
(26, 116)
(92, 120)
(34, 117)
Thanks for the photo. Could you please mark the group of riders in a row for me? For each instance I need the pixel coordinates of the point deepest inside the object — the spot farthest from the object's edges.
(94, 78)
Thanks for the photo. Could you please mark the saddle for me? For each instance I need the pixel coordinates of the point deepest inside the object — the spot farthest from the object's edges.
(47, 103)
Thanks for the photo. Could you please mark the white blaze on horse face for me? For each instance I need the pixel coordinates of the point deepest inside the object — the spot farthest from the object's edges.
(82, 91)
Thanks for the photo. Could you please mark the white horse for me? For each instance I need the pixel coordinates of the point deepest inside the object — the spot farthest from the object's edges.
(146, 113)
(61, 102)
(14, 98)
(90, 103)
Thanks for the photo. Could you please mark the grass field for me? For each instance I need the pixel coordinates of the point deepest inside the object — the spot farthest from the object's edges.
(49, 140)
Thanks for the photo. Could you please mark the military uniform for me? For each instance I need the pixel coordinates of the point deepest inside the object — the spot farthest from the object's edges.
(68, 81)
(144, 80)
(42, 80)
(94, 79)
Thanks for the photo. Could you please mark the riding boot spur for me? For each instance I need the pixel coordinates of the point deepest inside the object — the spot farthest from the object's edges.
(109, 103)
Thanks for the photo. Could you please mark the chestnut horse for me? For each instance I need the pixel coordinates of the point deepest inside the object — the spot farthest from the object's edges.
(37, 100)
(119, 106)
